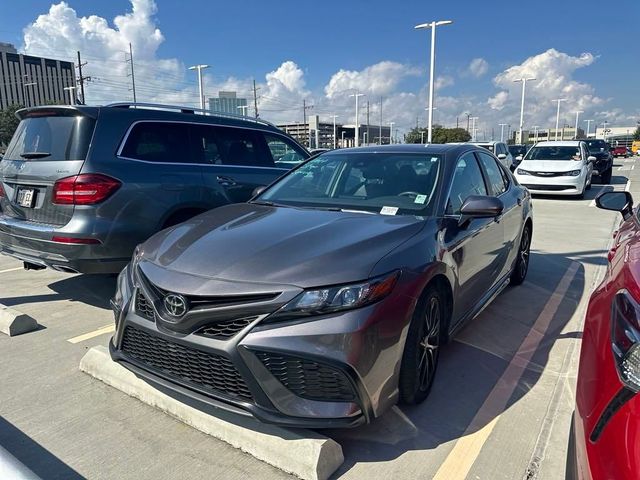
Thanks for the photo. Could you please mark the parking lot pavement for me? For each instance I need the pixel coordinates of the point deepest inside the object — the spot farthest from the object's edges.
(500, 406)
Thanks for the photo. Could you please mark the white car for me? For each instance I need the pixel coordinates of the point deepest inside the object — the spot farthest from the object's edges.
(500, 150)
(556, 168)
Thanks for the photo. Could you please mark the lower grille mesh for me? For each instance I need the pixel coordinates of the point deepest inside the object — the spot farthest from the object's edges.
(207, 371)
(308, 379)
(226, 328)
(143, 306)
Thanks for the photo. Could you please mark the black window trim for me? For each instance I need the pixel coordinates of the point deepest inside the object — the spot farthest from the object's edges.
(133, 124)
(486, 175)
(484, 179)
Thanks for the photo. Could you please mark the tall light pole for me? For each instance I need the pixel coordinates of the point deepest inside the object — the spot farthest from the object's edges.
(391, 124)
(432, 26)
(558, 115)
(342, 142)
(473, 128)
(72, 94)
(334, 129)
(535, 132)
(588, 125)
(578, 112)
(357, 136)
(524, 81)
(199, 68)
(244, 109)
(604, 130)
(502, 125)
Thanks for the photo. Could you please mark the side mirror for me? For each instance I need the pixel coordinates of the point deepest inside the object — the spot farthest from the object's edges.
(502, 156)
(258, 190)
(591, 158)
(617, 201)
(519, 158)
(480, 206)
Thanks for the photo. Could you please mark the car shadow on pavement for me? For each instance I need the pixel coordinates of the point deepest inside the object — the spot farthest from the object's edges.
(32, 455)
(473, 363)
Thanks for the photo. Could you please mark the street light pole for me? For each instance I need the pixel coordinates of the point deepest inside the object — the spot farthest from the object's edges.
(502, 125)
(558, 115)
(199, 68)
(357, 139)
(473, 128)
(334, 129)
(342, 142)
(244, 109)
(432, 26)
(535, 132)
(391, 124)
(524, 85)
(578, 112)
(588, 126)
(72, 94)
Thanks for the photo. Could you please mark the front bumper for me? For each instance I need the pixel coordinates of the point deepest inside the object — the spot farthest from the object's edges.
(335, 371)
(565, 185)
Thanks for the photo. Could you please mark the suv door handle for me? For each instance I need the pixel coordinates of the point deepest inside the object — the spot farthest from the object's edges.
(226, 181)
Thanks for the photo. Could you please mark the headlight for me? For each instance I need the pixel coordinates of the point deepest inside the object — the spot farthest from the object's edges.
(574, 173)
(333, 299)
(522, 172)
(625, 339)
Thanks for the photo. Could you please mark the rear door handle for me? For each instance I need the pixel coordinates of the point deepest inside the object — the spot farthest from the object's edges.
(226, 181)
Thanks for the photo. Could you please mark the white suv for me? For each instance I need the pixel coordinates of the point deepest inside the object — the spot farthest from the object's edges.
(500, 150)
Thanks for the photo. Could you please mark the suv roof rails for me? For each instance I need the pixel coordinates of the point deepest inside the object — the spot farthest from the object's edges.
(192, 110)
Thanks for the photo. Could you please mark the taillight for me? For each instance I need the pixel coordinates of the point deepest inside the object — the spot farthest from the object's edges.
(2, 194)
(625, 339)
(76, 241)
(85, 189)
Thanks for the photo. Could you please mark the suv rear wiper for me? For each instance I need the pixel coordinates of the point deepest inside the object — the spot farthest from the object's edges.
(29, 155)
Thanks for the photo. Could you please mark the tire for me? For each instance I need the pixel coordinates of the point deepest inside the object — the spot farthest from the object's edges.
(605, 177)
(522, 262)
(589, 182)
(422, 348)
(571, 467)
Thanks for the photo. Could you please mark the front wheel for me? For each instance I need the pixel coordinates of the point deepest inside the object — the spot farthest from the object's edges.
(522, 262)
(421, 351)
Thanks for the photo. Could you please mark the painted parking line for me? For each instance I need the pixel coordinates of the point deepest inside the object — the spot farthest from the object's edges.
(467, 449)
(96, 333)
(11, 269)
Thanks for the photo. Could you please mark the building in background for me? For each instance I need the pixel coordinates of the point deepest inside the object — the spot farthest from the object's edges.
(228, 102)
(31, 81)
(617, 136)
(549, 134)
(317, 134)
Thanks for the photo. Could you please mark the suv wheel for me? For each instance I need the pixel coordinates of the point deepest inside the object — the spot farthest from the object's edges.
(421, 350)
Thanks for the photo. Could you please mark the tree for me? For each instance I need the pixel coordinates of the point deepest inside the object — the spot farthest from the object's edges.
(440, 135)
(8, 123)
(636, 134)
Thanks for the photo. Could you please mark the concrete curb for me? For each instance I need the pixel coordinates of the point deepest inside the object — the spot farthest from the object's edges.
(12, 322)
(303, 453)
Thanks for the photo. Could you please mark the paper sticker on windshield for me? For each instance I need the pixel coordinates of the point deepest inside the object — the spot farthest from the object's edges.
(389, 210)
(420, 199)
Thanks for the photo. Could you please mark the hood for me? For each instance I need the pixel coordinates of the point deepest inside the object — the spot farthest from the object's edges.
(550, 165)
(251, 243)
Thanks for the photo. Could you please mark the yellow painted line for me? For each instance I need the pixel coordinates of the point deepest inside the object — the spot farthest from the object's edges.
(11, 269)
(467, 449)
(96, 333)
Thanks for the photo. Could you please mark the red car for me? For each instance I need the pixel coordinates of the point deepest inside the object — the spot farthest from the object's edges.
(605, 438)
(620, 152)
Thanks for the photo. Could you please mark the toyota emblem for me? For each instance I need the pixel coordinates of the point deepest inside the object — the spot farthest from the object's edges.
(176, 305)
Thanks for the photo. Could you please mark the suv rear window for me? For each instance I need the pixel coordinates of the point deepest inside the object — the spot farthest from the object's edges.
(51, 138)
(158, 142)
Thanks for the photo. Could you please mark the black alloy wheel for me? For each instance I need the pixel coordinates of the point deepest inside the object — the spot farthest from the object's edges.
(522, 262)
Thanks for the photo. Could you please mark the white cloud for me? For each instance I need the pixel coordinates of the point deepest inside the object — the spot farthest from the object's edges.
(443, 82)
(379, 79)
(499, 100)
(478, 67)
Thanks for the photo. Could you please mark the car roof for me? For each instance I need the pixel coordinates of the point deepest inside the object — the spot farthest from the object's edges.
(453, 149)
(492, 142)
(564, 143)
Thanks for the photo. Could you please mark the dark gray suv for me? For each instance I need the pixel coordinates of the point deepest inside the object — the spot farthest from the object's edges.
(81, 186)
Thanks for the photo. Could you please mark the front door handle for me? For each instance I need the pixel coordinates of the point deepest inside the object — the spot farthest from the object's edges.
(226, 181)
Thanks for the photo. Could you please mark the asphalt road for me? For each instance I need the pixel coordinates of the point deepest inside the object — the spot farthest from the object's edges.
(499, 409)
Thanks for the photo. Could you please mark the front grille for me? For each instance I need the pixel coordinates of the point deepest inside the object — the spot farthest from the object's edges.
(143, 306)
(307, 378)
(207, 371)
(549, 188)
(549, 174)
(226, 328)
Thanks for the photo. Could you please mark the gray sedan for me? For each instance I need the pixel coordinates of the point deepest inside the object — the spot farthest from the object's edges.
(326, 299)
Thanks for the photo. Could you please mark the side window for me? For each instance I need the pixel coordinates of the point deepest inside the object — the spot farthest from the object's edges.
(495, 174)
(238, 146)
(467, 181)
(204, 144)
(284, 154)
(158, 142)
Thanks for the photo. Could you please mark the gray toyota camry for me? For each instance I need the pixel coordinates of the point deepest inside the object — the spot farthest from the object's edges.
(325, 300)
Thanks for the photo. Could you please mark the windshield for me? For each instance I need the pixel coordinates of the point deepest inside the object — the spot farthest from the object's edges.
(596, 145)
(51, 138)
(554, 153)
(517, 150)
(488, 147)
(390, 183)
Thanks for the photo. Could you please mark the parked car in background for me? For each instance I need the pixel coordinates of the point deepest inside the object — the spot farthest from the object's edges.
(316, 151)
(557, 168)
(500, 150)
(603, 164)
(606, 426)
(81, 186)
(325, 299)
(620, 152)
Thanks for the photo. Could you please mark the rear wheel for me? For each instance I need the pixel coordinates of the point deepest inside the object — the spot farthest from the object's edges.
(522, 263)
(422, 348)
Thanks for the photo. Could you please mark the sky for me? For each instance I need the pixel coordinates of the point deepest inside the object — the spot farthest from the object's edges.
(323, 52)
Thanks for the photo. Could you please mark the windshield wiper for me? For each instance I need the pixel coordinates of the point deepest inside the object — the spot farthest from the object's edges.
(30, 155)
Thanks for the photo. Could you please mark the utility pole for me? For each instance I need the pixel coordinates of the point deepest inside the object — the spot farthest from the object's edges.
(380, 134)
(199, 68)
(255, 98)
(82, 79)
(368, 138)
(558, 115)
(133, 78)
(468, 117)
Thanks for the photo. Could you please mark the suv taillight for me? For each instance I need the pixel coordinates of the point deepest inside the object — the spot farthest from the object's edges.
(625, 338)
(85, 189)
